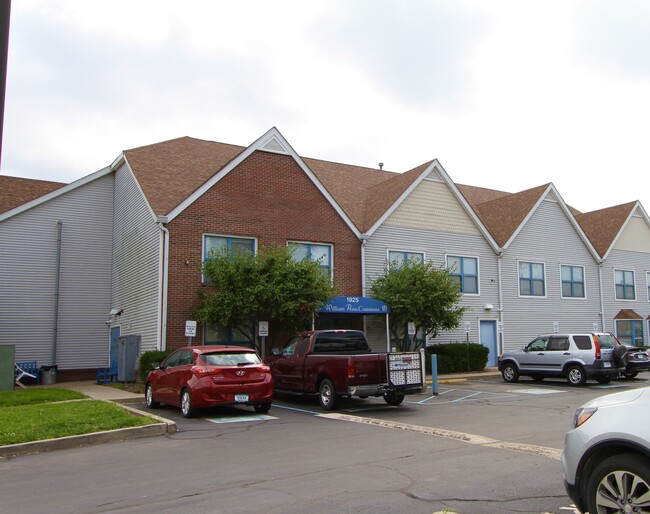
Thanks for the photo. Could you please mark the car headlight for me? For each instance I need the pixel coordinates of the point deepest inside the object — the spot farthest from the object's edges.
(582, 415)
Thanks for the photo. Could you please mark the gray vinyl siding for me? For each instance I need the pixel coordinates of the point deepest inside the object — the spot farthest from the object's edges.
(548, 237)
(136, 262)
(28, 248)
(626, 260)
(436, 246)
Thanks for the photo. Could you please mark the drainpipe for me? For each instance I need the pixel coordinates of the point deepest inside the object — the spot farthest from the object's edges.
(57, 288)
(500, 336)
(363, 273)
(164, 283)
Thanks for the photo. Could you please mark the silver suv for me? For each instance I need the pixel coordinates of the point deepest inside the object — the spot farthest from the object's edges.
(606, 455)
(578, 357)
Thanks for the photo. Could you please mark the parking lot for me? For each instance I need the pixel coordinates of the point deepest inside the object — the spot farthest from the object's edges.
(476, 447)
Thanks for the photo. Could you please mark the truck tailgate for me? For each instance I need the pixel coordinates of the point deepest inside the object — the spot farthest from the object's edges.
(367, 369)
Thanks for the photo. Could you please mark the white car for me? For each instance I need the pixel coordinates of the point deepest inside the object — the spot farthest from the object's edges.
(606, 457)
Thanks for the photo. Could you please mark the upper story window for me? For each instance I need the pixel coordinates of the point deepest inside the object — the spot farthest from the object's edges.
(624, 281)
(464, 271)
(532, 281)
(226, 244)
(320, 253)
(573, 281)
(397, 258)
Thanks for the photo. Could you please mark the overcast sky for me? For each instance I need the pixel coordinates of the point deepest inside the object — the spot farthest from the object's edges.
(507, 95)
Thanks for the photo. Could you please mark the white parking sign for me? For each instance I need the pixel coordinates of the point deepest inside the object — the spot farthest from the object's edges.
(190, 328)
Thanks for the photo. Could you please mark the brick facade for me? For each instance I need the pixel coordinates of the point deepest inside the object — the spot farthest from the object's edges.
(267, 197)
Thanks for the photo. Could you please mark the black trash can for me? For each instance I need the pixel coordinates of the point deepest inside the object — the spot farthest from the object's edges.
(48, 375)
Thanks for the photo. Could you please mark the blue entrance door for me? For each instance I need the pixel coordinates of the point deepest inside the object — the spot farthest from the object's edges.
(489, 339)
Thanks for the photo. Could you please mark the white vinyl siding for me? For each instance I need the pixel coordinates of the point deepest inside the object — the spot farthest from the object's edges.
(137, 262)
(548, 237)
(28, 275)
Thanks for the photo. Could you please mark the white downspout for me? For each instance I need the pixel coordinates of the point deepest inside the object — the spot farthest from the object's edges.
(500, 337)
(363, 275)
(164, 283)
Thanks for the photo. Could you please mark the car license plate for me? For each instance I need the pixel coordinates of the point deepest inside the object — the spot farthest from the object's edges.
(608, 364)
(241, 398)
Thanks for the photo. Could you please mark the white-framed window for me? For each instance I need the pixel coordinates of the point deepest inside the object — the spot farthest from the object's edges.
(624, 283)
(532, 279)
(397, 258)
(317, 252)
(573, 281)
(216, 244)
(647, 283)
(464, 271)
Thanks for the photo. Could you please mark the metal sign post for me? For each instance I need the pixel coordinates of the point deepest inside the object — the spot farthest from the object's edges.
(263, 331)
(190, 331)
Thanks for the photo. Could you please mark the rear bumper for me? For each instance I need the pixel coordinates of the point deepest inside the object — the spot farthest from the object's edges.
(599, 369)
(212, 395)
(382, 389)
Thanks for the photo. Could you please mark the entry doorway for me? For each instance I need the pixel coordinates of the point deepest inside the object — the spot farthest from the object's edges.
(488, 338)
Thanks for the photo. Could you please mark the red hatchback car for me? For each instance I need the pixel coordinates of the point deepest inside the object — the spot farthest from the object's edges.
(198, 377)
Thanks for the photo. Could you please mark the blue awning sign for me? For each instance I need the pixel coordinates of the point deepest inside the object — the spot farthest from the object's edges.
(354, 305)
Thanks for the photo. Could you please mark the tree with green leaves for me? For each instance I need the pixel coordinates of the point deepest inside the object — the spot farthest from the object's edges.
(420, 293)
(242, 289)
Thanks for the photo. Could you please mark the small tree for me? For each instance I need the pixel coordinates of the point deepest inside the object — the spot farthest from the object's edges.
(418, 292)
(244, 288)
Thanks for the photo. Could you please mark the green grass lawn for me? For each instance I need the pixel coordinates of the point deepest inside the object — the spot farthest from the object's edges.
(37, 414)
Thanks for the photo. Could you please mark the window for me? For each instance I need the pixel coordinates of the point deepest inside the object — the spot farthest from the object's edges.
(624, 281)
(464, 271)
(226, 244)
(320, 253)
(573, 281)
(531, 279)
(220, 334)
(647, 282)
(630, 331)
(397, 258)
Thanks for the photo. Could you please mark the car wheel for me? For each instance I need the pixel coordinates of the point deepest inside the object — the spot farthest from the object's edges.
(576, 376)
(604, 380)
(510, 372)
(262, 408)
(327, 395)
(186, 404)
(620, 356)
(629, 375)
(148, 397)
(392, 398)
(537, 377)
(620, 483)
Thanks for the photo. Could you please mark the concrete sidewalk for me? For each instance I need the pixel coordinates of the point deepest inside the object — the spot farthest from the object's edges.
(100, 391)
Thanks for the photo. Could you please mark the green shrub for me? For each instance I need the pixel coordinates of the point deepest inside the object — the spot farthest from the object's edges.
(457, 357)
(148, 358)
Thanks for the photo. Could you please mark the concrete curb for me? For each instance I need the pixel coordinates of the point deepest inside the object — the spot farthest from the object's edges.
(163, 427)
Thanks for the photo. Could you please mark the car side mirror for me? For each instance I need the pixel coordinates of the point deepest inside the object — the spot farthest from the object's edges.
(275, 352)
(155, 365)
(524, 348)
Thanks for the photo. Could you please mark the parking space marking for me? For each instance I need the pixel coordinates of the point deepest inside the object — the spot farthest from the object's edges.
(238, 419)
(275, 405)
(536, 391)
(541, 451)
(469, 396)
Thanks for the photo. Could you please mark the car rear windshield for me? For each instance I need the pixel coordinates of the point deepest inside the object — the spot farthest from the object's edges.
(341, 342)
(607, 341)
(230, 359)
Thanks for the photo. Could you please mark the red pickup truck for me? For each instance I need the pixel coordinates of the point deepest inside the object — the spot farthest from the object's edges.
(335, 363)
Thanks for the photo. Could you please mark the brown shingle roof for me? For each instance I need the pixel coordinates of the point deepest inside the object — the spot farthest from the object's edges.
(602, 226)
(628, 314)
(169, 172)
(502, 213)
(15, 191)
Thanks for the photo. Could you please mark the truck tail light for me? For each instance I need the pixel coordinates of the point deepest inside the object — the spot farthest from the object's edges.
(351, 369)
(597, 346)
